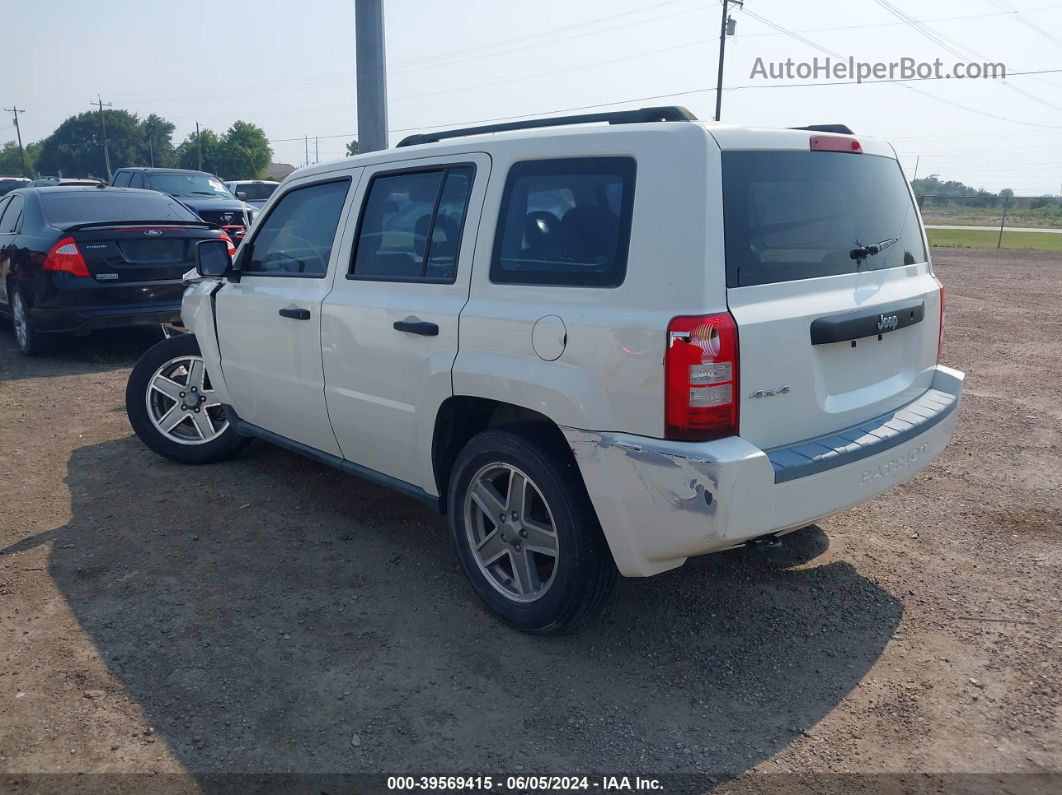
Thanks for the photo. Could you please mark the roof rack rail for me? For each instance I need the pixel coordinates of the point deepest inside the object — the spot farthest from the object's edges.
(663, 113)
(844, 129)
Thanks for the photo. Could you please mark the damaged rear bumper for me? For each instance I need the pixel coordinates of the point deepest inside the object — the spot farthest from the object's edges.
(660, 502)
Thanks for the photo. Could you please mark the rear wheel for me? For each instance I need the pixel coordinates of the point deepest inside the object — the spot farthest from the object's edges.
(173, 408)
(525, 533)
(30, 341)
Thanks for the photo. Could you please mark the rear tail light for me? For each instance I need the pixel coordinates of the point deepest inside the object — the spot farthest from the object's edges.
(940, 333)
(229, 243)
(701, 378)
(835, 143)
(66, 256)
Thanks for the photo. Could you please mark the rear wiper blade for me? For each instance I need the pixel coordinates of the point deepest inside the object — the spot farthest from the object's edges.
(862, 252)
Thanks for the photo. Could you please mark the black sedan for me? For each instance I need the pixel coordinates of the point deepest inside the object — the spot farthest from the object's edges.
(77, 259)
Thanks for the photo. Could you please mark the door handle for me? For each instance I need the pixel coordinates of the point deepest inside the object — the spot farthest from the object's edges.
(295, 314)
(417, 327)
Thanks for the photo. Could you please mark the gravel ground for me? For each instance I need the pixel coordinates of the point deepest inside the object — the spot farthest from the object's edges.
(256, 615)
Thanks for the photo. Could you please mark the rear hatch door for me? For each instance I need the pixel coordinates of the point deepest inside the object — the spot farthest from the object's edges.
(829, 281)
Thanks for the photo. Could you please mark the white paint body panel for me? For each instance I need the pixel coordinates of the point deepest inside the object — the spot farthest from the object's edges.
(348, 384)
(272, 365)
(384, 387)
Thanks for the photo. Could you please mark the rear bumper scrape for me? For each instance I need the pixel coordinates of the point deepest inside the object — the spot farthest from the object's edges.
(660, 502)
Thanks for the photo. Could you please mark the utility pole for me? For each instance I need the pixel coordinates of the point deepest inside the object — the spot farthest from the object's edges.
(372, 74)
(316, 150)
(306, 155)
(199, 145)
(18, 130)
(1003, 223)
(917, 160)
(726, 28)
(103, 123)
(151, 150)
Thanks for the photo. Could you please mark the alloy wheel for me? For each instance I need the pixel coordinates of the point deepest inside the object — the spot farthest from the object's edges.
(181, 402)
(18, 311)
(511, 532)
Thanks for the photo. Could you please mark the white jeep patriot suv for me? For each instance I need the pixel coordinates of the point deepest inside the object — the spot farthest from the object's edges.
(598, 343)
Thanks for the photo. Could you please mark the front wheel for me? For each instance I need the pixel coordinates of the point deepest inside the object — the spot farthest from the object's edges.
(525, 533)
(172, 406)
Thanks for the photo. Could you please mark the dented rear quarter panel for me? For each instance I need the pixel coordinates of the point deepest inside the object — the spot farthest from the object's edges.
(690, 494)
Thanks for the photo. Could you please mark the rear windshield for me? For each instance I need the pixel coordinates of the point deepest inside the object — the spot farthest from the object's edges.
(8, 185)
(799, 215)
(190, 184)
(92, 206)
(256, 191)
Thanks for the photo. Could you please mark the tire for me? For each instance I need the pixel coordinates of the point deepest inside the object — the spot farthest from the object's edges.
(30, 341)
(534, 591)
(167, 381)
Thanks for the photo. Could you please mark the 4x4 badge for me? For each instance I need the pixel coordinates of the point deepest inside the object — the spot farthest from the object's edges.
(762, 393)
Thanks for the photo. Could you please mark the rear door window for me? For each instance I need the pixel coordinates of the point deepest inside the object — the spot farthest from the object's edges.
(295, 239)
(801, 215)
(565, 222)
(411, 225)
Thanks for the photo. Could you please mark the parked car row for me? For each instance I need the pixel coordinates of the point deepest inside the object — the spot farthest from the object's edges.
(201, 192)
(78, 255)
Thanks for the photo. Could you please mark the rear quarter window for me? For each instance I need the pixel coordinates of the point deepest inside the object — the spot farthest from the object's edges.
(565, 222)
(801, 215)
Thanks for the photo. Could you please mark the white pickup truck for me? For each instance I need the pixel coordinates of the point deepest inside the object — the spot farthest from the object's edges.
(599, 343)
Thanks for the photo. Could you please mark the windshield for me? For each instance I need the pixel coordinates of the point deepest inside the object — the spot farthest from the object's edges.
(85, 207)
(188, 185)
(256, 191)
(800, 215)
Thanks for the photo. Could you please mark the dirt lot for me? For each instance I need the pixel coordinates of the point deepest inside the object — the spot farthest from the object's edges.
(256, 615)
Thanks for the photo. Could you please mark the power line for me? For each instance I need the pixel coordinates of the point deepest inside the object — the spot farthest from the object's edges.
(869, 26)
(540, 34)
(1020, 17)
(668, 95)
(901, 83)
(956, 48)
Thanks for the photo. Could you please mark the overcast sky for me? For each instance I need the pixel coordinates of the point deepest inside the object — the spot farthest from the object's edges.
(289, 67)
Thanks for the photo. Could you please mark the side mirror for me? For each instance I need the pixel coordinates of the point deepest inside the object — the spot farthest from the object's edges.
(241, 195)
(212, 258)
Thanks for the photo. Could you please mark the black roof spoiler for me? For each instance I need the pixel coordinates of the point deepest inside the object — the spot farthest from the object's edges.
(663, 113)
(171, 222)
(844, 129)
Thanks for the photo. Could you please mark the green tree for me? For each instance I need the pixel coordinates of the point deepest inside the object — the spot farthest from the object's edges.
(353, 148)
(11, 162)
(1006, 193)
(158, 141)
(187, 153)
(76, 146)
(244, 152)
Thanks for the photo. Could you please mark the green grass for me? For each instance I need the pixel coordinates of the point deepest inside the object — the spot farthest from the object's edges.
(980, 238)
